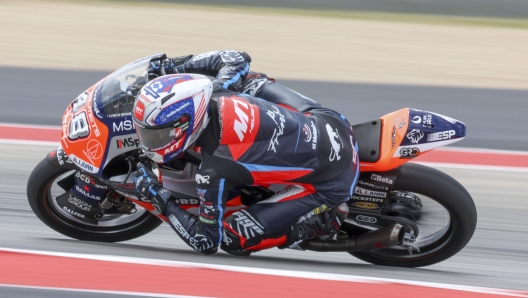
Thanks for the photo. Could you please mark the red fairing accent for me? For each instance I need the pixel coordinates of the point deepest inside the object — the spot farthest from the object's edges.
(268, 243)
(270, 177)
(240, 124)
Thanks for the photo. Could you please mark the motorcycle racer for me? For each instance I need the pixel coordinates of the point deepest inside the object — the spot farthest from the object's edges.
(249, 130)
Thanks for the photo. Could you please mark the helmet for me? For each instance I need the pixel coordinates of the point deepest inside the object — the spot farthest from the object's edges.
(170, 113)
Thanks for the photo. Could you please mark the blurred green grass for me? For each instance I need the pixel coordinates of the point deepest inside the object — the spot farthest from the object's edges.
(341, 14)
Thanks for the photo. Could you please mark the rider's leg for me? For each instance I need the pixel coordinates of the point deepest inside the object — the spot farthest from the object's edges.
(282, 220)
(292, 215)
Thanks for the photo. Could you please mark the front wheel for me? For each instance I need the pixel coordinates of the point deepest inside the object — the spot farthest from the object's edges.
(42, 191)
(447, 223)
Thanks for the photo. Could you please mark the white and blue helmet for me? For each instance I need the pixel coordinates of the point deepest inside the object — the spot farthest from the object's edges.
(170, 113)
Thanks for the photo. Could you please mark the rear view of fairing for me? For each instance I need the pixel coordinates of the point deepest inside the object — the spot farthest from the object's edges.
(400, 136)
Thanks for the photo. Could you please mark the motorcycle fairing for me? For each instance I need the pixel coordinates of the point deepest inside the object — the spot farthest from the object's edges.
(93, 131)
(408, 133)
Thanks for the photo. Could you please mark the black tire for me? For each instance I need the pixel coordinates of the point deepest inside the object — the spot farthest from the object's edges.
(452, 196)
(38, 192)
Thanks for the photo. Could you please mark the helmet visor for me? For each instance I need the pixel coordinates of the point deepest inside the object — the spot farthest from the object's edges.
(158, 137)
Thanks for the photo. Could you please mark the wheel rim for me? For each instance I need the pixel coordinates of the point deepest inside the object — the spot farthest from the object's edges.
(436, 228)
(108, 223)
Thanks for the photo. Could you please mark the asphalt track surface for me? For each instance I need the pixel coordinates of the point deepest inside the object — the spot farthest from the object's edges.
(497, 256)
(495, 118)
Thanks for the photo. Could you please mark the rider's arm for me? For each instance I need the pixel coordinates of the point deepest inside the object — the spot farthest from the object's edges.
(203, 232)
(228, 67)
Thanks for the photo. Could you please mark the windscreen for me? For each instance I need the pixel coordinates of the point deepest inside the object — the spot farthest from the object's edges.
(120, 89)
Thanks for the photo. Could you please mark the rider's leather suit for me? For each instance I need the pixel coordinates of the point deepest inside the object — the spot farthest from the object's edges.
(262, 133)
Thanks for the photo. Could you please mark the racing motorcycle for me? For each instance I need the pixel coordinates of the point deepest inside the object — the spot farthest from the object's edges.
(400, 214)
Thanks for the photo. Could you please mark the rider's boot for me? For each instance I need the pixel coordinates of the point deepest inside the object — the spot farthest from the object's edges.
(241, 240)
(324, 225)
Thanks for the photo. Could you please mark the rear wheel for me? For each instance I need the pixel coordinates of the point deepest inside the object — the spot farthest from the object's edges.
(42, 191)
(447, 222)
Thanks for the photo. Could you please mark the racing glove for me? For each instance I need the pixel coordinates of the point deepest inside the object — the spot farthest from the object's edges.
(148, 185)
(171, 66)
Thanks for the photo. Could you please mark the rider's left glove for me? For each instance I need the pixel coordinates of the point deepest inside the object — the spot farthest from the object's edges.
(148, 185)
(170, 66)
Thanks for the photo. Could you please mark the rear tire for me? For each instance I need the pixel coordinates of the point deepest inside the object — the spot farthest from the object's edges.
(452, 196)
(38, 192)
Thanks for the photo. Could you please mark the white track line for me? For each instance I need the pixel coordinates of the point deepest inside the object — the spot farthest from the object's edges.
(275, 272)
(27, 142)
(31, 126)
(139, 294)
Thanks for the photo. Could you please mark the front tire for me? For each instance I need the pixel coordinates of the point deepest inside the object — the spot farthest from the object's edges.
(40, 199)
(447, 192)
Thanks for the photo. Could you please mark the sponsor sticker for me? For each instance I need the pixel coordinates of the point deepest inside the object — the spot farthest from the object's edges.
(123, 125)
(415, 136)
(370, 193)
(367, 219)
(393, 134)
(372, 185)
(187, 201)
(379, 178)
(439, 136)
(139, 110)
(335, 141)
(207, 220)
(94, 149)
(307, 133)
(127, 143)
(367, 199)
(407, 152)
(314, 133)
(83, 164)
(366, 205)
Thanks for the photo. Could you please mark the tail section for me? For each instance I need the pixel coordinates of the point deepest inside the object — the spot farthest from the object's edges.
(400, 136)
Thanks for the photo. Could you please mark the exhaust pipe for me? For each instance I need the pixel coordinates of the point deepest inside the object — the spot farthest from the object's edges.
(383, 238)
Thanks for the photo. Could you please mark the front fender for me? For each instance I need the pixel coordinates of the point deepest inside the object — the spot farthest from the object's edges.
(58, 158)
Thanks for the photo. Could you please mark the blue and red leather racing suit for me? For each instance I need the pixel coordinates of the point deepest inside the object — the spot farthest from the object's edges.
(265, 134)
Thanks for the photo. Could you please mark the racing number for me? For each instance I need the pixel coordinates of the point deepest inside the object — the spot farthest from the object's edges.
(79, 127)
